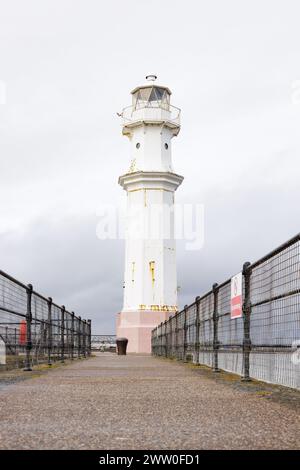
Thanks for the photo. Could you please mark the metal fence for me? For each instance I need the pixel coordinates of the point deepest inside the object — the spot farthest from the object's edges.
(103, 342)
(264, 343)
(35, 330)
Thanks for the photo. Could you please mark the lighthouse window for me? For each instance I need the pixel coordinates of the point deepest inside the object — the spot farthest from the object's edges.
(166, 146)
(151, 97)
(138, 145)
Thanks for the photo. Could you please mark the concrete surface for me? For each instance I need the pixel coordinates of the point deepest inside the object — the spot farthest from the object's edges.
(141, 402)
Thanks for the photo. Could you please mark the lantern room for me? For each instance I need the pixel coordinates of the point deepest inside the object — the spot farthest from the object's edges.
(150, 105)
(151, 95)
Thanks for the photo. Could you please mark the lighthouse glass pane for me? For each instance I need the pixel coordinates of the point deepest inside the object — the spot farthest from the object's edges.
(159, 93)
(165, 101)
(145, 94)
(141, 97)
(134, 99)
(151, 97)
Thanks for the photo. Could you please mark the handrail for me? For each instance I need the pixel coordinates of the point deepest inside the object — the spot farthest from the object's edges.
(253, 265)
(127, 113)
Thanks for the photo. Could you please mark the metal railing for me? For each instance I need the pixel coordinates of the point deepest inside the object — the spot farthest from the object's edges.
(264, 343)
(35, 330)
(170, 114)
(103, 342)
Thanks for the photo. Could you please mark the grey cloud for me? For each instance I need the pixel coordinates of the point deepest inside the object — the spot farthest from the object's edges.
(65, 260)
(69, 66)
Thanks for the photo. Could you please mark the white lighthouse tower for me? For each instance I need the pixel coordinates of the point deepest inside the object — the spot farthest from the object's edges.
(150, 284)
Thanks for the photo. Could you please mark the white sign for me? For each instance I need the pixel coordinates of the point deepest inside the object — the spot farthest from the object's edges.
(237, 296)
(2, 352)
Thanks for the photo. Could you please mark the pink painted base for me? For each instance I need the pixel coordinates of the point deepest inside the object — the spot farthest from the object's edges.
(137, 326)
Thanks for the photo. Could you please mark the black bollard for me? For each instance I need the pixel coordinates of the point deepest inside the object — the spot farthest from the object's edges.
(121, 346)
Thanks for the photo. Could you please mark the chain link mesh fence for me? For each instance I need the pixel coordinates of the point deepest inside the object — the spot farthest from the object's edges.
(34, 330)
(264, 343)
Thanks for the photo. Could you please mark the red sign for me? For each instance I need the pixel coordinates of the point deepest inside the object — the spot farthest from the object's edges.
(23, 333)
(237, 296)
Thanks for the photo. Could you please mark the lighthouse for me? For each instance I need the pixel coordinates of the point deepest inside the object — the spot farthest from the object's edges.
(150, 278)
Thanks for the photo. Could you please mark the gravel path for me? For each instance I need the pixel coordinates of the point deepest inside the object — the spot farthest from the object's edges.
(141, 402)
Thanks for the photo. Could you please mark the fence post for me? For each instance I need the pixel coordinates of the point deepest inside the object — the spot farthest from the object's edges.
(84, 337)
(28, 328)
(161, 339)
(152, 342)
(171, 336)
(154, 345)
(197, 326)
(185, 333)
(79, 337)
(16, 346)
(215, 289)
(67, 345)
(89, 337)
(176, 335)
(62, 334)
(72, 335)
(166, 339)
(49, 330)
(246, 318)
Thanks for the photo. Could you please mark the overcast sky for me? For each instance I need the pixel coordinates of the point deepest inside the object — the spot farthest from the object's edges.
(69, 66)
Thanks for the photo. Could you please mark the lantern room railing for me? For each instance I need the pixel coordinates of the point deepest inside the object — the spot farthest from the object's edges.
(151, 113)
